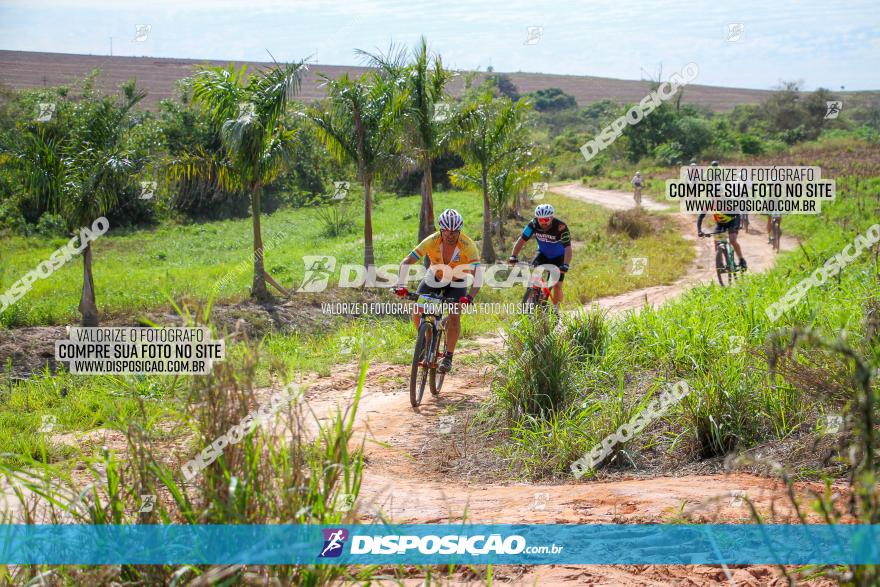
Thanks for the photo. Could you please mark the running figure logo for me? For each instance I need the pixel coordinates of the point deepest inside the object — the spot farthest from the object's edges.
(334, 540)
(319, 268)
(834, 107)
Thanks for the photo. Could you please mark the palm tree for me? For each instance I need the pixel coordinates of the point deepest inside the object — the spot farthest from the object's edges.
(81, 169)
(487, 132)
(506, 180)
(358, 123)
(257, 144)
(424, 132)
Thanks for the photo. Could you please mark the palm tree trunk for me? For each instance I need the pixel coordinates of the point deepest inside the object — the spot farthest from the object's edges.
(258, 290)
(426, 213)
(501, 229)
(87, 305)
(488, 252)
(368, 223)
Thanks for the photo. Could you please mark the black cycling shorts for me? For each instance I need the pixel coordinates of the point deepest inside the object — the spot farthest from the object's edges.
(540, 259)
(732, 226)
(452, 290)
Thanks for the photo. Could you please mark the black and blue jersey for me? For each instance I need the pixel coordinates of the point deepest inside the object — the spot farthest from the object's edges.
(552, 240)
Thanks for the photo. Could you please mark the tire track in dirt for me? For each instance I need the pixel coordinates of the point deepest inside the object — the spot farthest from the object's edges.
(395, 487)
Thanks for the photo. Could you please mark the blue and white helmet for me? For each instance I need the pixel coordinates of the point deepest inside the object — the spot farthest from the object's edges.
(544, 211)
(450, 220)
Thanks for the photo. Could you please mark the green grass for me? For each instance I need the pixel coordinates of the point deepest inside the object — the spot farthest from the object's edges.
(139, 270)
(735, 403)
(189, 259)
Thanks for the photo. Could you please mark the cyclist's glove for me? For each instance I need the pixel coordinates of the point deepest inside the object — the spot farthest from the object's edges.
(466, 299)
(400, 291)
(513, 259)
(563, 268)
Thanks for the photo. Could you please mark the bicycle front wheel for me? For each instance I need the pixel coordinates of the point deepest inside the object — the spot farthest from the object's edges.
(530, 299)
(777, 236)
(722, 265)
(435, 378)
(419, 370)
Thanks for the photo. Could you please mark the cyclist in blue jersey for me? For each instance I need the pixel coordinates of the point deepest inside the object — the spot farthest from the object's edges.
(554, 244)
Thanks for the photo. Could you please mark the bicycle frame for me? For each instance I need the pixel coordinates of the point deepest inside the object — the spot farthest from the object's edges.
(537, 282)
(775, 231)
(428, 353)
(438, 319)
(721, 241)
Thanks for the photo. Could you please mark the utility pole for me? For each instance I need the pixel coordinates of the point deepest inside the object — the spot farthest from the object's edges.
(111, 46)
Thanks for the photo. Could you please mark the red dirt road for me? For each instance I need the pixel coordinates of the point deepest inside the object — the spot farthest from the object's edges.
(396, 488)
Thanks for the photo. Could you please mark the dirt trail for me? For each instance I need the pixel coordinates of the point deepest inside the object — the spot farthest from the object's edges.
(395, 487)
(759, 255)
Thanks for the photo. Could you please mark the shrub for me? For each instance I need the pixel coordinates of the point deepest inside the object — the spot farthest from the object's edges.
(50, 225)
(635, 223)
(751, 145)
(335, 219)
(588, 333)
(535, 375)
(671, 153)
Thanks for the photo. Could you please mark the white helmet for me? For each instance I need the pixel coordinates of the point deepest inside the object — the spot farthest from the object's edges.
(544, 211)
(450, 220)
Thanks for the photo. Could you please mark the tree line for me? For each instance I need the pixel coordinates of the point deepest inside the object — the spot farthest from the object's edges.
(236, 137)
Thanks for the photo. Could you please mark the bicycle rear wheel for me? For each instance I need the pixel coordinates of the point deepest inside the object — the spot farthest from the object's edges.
(435, 378)
(419, 370)
(722, 265)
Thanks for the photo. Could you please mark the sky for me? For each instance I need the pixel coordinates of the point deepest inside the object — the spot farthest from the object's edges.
(735, 44)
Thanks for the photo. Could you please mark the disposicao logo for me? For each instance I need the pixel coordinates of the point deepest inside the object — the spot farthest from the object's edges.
(334, 540)
(474, 545)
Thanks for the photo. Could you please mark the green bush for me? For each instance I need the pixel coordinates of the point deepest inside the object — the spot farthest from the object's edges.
(535, 376)
(588, 332)
(751, 145)
(50, 225)
(634, 222)
(671, 153)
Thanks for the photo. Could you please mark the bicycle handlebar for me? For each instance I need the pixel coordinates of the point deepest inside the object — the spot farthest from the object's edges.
(415, 296)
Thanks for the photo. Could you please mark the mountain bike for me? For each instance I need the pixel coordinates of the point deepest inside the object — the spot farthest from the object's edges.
(537, 291)
(745, 223)
(725, 265)
(775, 231)
(430, 346)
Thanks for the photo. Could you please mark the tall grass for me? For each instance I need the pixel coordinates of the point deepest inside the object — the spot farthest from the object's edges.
(715, 339)
(190, 261)
(532, 377)
(858, 447)
(294, 470)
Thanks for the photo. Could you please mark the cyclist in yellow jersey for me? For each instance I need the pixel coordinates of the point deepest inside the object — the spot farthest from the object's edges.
(725, 222)
(453, 256)
(729, 223)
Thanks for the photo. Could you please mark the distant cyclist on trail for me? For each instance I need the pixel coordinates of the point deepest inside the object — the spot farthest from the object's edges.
(554, 244)
(770, 218)
(725, 222)
(637, 188)
(447, 249)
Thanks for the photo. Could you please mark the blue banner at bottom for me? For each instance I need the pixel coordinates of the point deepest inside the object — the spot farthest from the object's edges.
(534, 544)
